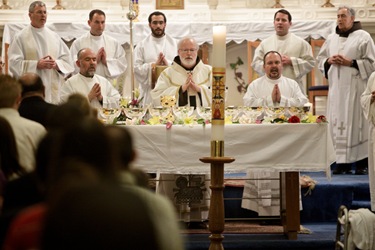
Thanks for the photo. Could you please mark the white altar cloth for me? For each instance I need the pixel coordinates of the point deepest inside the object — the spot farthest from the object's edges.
(282, 147)
(202, 32)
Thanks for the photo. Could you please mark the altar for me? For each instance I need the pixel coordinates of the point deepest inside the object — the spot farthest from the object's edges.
(287, 148)
(282, 147)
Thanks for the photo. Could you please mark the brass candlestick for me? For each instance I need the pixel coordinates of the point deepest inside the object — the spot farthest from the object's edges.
(58, 6)
(5, 5)
(277, 4)
(328, 4)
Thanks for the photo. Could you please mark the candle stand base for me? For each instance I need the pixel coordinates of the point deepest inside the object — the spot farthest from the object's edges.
(216, 213)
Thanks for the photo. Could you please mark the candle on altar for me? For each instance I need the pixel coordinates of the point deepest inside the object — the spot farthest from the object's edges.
(219, 46)
(218, 88)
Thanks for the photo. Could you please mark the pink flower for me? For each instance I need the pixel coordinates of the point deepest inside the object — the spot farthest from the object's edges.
(321, 119)
(169, 125)
(294, 119)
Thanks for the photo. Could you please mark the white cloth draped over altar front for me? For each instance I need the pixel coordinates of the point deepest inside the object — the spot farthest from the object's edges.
(282, 147)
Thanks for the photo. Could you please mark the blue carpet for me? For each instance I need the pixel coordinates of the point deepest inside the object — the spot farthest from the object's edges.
(323, 203)
(322, 238)
(319, 215)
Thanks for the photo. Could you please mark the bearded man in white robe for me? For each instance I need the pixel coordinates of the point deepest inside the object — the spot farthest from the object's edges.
(99, 91)
(347, 60)
(297, 56)
(271, 90)
(37, 49)
(368, 106)
(188, 79)
(156, 50)
(110, 55)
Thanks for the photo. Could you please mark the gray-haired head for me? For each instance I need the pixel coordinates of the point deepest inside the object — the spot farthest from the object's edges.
(34, 4)
(187, 38)
(351, 11)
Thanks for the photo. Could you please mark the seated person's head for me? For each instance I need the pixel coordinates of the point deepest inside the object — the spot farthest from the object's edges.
(32, 85)
(99, 216)
(10, 92)
(81, 151)
(272, 65)
(188, 52)
(82, 103)
(70, 113)
(86, 62)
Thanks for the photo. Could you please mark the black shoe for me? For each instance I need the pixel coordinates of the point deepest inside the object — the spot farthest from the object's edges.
(183, 225)
(197, 225)
(361, 171)
(343, 169)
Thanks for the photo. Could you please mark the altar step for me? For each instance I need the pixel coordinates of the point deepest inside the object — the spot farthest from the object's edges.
(323, 203)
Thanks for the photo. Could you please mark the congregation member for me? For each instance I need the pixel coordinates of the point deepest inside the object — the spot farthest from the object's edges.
(188, 79)
(157, 49)
(33, 106)
(39, 50)
(84, 167)
(27, 133)
(368, 106)
(29, 189)
(110, 55)
(9, 164)
(98, 89)
(297, 56)
(347, 60)
(9, 168)
(271, 90)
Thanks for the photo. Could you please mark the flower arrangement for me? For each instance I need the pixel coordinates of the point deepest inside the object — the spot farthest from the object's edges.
(125, 103)
(134, 103)
(183, 116)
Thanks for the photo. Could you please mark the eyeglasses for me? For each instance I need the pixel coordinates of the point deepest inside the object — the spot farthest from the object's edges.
(188, 50)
